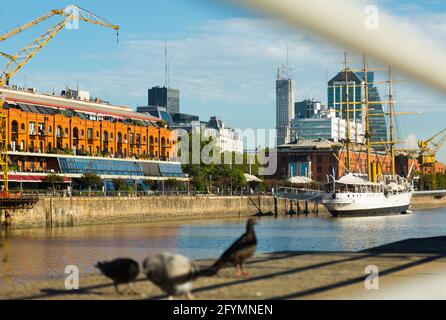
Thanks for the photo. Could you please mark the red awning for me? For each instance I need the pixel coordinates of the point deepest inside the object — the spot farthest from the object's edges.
(31, 178)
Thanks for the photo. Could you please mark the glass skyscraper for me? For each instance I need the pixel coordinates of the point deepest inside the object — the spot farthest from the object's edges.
(336, 100)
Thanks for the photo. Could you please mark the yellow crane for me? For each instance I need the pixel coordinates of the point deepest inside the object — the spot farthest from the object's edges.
(70, 14)
(427, 154)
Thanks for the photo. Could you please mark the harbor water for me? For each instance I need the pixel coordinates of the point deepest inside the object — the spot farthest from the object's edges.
(36, 254)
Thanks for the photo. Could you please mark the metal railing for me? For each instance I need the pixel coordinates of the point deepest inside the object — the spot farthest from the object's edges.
(297, 193)
(42, 193)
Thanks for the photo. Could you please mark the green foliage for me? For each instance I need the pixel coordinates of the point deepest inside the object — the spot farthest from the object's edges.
(55, 180)
(119, 184)
(429, 182)
(217, 175)
(172, 183)
(161, 123)
(91, 180)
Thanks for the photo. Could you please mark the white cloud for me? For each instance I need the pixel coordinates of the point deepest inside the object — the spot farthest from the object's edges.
(227, 67)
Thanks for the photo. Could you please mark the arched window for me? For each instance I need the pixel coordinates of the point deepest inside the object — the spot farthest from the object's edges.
(59, 131)
(14, 127)
(22, 126)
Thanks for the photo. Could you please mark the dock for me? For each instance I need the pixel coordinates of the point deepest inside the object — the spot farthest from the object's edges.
(413, 268)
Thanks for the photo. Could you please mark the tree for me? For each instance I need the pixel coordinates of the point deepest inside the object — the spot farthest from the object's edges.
(54, 180)
(119, 184)
(172, 183)
(90, 180)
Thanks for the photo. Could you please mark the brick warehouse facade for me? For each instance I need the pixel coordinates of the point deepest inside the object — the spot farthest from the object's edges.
(318, 159)
(49, 124)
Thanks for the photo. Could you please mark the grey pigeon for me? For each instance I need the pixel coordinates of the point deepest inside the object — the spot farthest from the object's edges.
(121, 271)
(173, 273)
(240, 251)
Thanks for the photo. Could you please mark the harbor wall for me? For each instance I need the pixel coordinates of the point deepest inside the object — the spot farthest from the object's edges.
(60, 212)
(428, 202)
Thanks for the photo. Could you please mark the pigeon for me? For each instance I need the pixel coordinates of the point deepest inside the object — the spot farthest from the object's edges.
(121, 271)
(240, 251)
(173, 273)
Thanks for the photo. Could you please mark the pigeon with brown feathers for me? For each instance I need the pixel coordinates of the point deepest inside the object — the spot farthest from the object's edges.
(240, 251)
(121, 271)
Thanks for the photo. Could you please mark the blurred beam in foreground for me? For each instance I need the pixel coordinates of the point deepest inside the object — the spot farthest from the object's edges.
(365, 30)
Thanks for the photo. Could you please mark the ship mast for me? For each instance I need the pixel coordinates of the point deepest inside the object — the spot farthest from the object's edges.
(347, 109)
(367, 135)
(392, 123)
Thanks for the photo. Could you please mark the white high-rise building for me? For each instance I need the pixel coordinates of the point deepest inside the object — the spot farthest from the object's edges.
(285, 92)
(332, 128)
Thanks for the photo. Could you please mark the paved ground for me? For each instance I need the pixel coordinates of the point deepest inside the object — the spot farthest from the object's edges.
(409, 269)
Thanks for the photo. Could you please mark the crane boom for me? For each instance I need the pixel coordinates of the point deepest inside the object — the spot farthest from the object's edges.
(17, 61)
(28, 25)
(82, 14)
(21, 58)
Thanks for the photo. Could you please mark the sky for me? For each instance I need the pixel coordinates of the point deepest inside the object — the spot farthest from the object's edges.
(222, 58)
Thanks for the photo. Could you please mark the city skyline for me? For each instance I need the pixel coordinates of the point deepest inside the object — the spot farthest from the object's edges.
(214, 77)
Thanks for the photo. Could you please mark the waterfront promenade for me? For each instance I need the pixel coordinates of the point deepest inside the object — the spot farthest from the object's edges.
(408, 269)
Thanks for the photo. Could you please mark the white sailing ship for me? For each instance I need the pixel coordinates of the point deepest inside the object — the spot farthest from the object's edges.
(352, 195)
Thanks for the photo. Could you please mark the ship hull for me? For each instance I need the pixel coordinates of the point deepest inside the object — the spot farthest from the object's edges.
(366, 204)
(370, 212)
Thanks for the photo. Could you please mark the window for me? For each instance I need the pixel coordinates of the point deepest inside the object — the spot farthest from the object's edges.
(41, 128)
(97, 134)
(90, 134)
(32, 128)
(49, 128)
(22, 126)
(59, 131)
(319, 169)
(66, 130)
(82, 132)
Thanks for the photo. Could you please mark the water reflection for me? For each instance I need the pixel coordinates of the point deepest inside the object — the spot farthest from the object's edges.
(44, 253)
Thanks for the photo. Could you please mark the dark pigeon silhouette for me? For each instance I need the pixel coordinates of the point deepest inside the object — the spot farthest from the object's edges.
(240, 251)
(121, 271)
(173, 273)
